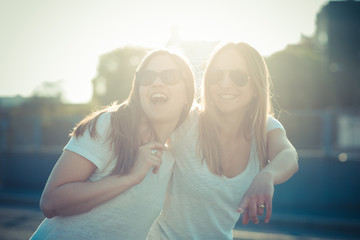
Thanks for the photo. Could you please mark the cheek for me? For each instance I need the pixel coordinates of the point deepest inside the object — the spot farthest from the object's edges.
(211, 91)
(142, 97)
(180, 95)
(252, 87)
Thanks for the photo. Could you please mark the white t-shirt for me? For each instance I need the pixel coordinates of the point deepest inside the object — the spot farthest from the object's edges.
(200, 204)
(127, 216)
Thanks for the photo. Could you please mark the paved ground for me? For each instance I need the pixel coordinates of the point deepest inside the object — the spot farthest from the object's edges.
(19, 222)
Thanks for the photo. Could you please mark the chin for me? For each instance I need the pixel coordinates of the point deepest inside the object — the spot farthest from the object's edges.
(161, 119)
(229, 111)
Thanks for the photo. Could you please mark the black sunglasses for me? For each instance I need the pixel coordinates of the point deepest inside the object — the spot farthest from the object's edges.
(238, 76)
(168, 77)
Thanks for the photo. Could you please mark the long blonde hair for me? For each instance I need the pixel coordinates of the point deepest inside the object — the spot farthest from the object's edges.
(126, 117)
(256, 116)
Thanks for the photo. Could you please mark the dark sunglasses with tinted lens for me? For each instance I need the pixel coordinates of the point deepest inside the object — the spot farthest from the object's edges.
(168, 77)
(237, 76)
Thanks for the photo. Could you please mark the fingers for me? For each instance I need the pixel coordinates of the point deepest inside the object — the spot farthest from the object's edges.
(245, 218)
(153, 151)
(261, 209)
(243, 208)
(260, 205)
(268, 205)
(150, 156)
(154, 145)
(157, 153)
(249, 208)
(243, 204)
(156, 164)
(155, 148)
(253, 206)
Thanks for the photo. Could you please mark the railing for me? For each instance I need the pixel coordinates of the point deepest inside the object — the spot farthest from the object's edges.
(327, 142)
(322, 133)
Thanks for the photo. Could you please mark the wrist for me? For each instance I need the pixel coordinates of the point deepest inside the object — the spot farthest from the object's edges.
(267, 175)
(132, 179)
(128, 179)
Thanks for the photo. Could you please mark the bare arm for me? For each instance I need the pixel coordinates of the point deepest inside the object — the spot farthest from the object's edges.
(283, 164)
(282, 155)
(68, 191)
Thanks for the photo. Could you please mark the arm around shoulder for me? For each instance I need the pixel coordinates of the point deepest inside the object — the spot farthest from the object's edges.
(283, 164)
(283, 158)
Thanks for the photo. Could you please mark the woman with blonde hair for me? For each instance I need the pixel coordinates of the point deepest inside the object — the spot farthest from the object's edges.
(229, 154)
(111, 179)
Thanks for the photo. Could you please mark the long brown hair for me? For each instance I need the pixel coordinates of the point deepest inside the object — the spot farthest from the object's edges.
(256, 116)
(126, 117)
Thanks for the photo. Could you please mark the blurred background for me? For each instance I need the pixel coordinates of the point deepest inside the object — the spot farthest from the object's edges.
(61, 59)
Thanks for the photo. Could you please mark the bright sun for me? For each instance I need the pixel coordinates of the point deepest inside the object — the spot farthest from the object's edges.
(48, 42)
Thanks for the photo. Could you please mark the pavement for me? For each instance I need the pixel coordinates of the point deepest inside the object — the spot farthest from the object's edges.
(20, 216)
(300, 227)
(19, 222)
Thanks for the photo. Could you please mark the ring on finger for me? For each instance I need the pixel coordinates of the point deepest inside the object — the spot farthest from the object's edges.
(153, 152)
(261, 206)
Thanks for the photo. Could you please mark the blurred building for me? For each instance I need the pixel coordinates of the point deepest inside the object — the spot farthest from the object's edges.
(10, 102)
(338, 36)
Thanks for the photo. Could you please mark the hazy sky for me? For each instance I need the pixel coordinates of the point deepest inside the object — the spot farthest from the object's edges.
(52, 40)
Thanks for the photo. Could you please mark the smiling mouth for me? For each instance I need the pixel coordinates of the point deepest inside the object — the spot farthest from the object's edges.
(158, 98)
(227, 96)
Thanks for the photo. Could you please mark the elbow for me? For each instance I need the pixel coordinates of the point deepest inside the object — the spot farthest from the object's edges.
(296, 161)
(296, 167)
(47, 208)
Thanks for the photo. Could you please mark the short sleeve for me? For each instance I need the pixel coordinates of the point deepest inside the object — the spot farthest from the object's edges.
(273, 123)
(96, 149)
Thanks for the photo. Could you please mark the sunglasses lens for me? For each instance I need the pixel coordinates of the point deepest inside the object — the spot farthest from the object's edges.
(146, 77)
(239, 77)
(214, 76)
(170, 77)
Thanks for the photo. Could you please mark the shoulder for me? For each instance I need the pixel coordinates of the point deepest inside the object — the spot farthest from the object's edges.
(94, 126)
(104, 121)
(272, 123)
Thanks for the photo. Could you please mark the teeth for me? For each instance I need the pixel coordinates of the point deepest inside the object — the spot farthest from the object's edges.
(227, 96)
(159, 96)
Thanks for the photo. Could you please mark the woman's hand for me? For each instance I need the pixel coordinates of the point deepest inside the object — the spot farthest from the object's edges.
(149, 156)
(258, 198)
(283, 164)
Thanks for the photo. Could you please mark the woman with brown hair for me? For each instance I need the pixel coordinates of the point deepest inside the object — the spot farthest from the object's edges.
(229, 154)
(111, 179)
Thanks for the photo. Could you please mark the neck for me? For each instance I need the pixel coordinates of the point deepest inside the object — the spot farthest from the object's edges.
(231, 126)
(164, 130)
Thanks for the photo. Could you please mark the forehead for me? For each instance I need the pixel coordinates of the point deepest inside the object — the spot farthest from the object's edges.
(229, 59)
(161, 62)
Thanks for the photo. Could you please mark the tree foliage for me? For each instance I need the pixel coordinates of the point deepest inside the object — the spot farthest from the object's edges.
(115, 74)
(300, 78)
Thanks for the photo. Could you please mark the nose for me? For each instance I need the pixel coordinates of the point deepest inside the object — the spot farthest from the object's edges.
(225, 81)
(157, 81)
